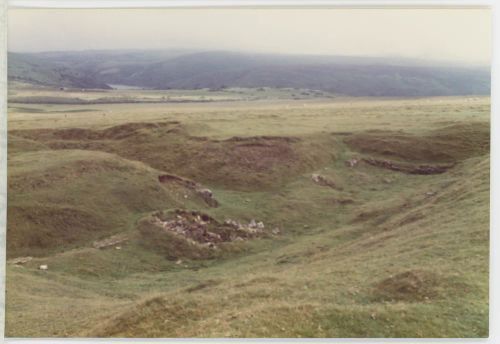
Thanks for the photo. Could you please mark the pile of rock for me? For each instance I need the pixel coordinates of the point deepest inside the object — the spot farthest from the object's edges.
(323, 181)
(200, 228)
(192, 225)
(21, 260)
(253, 227)
(207, 196)
(352, 162)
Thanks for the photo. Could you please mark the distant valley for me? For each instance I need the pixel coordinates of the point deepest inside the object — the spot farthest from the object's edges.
(216, 70)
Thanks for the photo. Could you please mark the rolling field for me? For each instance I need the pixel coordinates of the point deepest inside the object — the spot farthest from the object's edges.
(374, 211)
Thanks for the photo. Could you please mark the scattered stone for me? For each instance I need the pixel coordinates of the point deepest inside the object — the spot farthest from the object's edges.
(21, 260)
(387, 180)
(276, 231)
(111, 241)
(118, 247)
(43, 267)
(430, 193)
(324, 181)
(191, 241)
(178, 262)
(352, 162)
(208, 197)
(232, 223)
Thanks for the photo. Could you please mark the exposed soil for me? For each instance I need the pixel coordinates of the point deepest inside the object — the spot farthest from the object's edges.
(407, 168)
(448, 144)
(243, 163)
(170, 178)
(380, 215)
(203, 285)
(204, 193)
(339, 201)
(259, 153)
(118, 132)
(111, 241)
(264, 138)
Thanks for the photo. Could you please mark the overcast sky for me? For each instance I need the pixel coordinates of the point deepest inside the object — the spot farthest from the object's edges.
(459, 35)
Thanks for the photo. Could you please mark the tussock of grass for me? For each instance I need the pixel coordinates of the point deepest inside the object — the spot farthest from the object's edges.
(408, 286)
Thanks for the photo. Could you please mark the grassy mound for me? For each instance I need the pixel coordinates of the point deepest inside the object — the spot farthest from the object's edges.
(34, 229)
(408, 286)
(18, 144)
(244, 163)
(448, 144)
(58, 199)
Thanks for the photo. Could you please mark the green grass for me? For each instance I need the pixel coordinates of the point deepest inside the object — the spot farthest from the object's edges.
(26, 96)
(69, 197)
(385, 254)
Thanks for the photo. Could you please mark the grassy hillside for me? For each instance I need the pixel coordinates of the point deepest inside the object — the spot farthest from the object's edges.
(348, 248)
(71, 197)
(395, 277)
(353, 76)
(44, 71)
(237, 162)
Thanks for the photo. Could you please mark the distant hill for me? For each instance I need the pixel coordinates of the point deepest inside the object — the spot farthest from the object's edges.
(182, 69)
(39, 70)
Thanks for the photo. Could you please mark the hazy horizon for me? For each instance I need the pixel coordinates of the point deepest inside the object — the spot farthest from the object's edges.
(459, 36)
(390, 58)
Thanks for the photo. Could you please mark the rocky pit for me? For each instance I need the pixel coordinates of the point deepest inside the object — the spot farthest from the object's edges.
(200, 228)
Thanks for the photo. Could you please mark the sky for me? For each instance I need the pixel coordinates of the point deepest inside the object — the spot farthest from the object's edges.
(455, 35)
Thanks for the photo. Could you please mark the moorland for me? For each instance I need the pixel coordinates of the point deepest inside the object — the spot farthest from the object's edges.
(245, 211)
